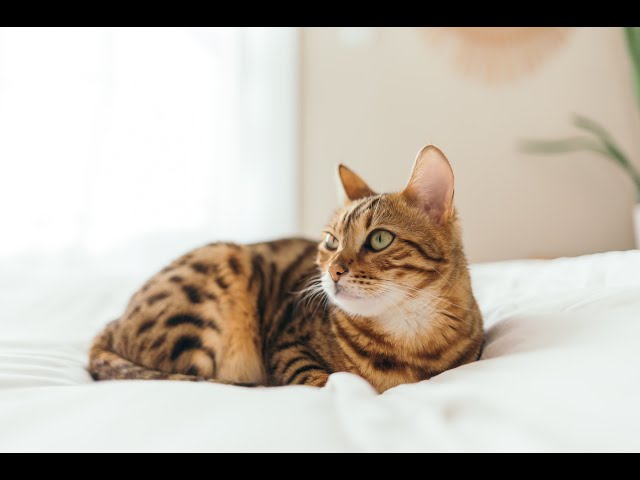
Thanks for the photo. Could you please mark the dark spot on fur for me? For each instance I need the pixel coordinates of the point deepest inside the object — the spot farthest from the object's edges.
(192, 293)
(185, 344)
(158, 342)
(148, 325)
(176, 279)
(211, 296)
(385, 364)
(274, 246)
(234, 265)
(157, 297)
(187, 319)
(193, 371)
(184, 320)
(257, 273)
(222, 283)
(136, 310)
(200, 267)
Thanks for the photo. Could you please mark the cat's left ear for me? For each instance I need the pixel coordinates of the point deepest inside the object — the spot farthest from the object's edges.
(431, 184)
(353, 187)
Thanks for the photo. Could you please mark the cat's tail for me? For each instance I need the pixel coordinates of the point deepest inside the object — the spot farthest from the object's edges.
(105, 364)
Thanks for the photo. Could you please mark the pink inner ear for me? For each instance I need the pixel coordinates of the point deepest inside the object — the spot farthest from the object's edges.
(431, 183)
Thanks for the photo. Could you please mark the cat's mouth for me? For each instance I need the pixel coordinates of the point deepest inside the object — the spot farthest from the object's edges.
(355, 303)
(351, 300)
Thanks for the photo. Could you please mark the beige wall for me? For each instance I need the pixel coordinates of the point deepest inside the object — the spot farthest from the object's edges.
(372, 105)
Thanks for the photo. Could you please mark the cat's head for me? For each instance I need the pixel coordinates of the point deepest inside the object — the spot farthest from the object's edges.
(382, 250)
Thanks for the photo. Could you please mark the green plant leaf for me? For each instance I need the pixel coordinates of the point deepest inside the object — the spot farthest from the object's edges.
(632, 36)
(585, 123)
(564, 145)
(602, 143)
(611, 149)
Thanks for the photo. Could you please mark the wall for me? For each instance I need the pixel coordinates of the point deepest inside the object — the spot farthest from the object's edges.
(372, 104)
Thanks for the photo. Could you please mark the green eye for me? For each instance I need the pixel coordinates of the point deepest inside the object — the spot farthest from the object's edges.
(331, 242)
(379, 240)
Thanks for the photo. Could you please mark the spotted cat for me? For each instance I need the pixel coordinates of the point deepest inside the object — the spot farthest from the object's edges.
(386, 294)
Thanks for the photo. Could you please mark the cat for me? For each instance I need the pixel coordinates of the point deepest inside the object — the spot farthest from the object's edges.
(386, 294)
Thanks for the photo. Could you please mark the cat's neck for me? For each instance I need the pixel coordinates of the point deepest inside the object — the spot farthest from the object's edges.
(408, 322)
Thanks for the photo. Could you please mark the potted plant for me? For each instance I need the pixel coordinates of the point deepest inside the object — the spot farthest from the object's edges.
(596, 139)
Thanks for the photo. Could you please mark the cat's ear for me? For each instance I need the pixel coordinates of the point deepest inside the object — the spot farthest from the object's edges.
(353, 187)
(431, 184)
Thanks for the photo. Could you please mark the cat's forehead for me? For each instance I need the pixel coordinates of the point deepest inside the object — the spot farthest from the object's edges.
(360, 214)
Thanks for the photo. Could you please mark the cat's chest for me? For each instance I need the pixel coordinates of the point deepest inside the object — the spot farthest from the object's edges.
(388, 352)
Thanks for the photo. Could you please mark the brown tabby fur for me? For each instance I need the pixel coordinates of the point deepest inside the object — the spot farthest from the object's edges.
(256, 314)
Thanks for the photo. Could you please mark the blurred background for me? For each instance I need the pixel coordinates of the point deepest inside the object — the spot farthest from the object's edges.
(122, 148)
(371, 97)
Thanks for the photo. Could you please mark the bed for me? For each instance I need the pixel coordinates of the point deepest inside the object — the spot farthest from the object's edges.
(560, 372)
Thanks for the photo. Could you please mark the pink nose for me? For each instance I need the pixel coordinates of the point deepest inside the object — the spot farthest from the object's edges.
(336, 270)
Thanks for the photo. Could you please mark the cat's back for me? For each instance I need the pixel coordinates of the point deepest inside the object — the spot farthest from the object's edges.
(212, 304)
(218, 272)
(278, 256)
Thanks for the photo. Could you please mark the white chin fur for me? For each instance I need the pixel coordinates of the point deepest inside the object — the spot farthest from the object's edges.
(364, 307)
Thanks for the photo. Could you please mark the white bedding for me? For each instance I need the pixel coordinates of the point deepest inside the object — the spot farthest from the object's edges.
(560, 372)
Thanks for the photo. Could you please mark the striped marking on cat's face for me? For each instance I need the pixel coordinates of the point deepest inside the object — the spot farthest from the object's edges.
(379, 253)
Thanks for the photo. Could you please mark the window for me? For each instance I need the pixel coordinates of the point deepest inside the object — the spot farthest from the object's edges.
(145, 139)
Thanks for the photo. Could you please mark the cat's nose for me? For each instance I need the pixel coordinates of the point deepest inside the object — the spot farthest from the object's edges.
(336, 270)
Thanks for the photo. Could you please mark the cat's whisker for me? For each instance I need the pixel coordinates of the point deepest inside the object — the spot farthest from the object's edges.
(309, 285)
(316, 295)
(312, 294)
(425, 292)
(412, 296)
(445, 278)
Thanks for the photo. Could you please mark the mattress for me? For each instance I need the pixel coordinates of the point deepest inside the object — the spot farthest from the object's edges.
(559, 372)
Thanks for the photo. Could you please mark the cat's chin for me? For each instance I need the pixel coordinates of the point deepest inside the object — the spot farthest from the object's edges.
(364, 307)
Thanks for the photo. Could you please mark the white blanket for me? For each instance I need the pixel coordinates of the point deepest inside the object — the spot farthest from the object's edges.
(560, 372)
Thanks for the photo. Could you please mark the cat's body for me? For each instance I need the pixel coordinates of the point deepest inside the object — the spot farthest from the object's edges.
(394, 307)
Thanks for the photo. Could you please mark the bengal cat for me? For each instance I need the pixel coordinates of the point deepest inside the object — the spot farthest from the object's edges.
(386, 295)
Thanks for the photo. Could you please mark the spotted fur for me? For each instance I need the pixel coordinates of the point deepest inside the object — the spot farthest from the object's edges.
(272, 313)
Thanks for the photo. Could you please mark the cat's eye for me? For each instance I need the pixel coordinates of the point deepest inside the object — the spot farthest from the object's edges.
(331, 242)
(379, 240)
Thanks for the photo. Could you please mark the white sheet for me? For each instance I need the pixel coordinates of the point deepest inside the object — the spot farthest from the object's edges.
(560, 372)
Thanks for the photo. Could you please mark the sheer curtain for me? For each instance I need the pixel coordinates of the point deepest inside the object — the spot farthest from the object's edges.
(148, 141)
